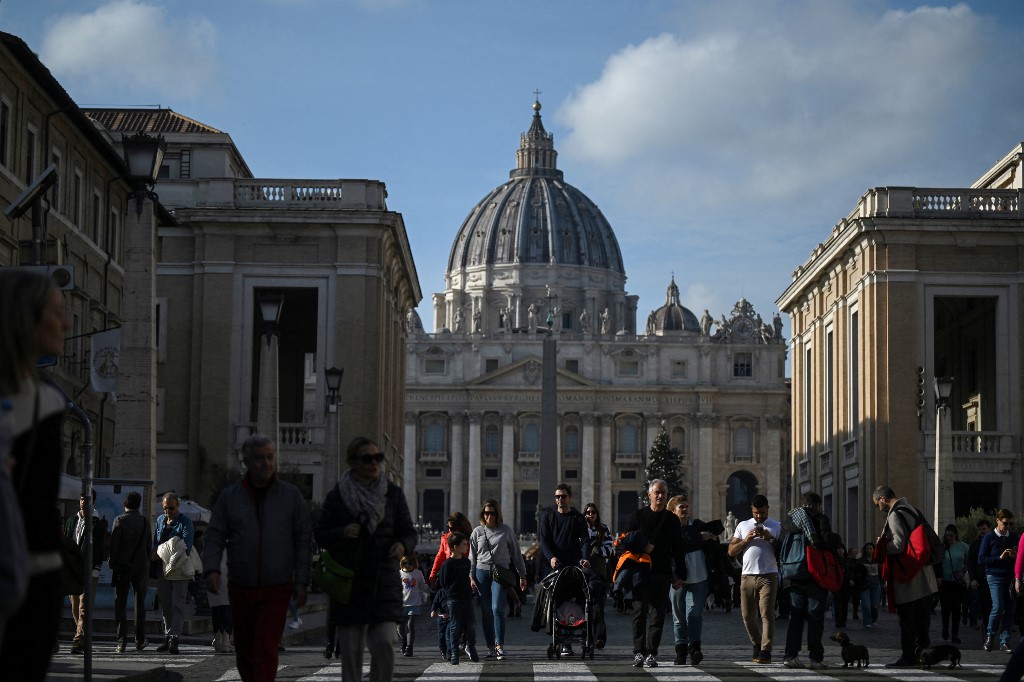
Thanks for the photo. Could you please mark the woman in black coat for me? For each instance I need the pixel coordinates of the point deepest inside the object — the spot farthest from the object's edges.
(365, 524)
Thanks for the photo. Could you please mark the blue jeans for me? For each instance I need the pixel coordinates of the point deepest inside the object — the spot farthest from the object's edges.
(806, 603)
(1001, 618)
(442, 633)
(869, 597)
(688, 611)
(492, 608)
(461, 611)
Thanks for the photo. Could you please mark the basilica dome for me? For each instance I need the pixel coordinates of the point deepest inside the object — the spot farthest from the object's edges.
(672, 317)
(536, 218)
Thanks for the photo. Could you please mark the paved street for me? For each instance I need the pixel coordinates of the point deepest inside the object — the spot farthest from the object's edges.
(727, 658)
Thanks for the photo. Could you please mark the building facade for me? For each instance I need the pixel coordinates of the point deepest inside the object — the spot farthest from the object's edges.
(338, 257)
(80, 233)
(535, 257)
(914, 284)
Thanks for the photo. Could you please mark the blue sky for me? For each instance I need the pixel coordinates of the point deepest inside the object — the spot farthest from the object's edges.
(722, 140)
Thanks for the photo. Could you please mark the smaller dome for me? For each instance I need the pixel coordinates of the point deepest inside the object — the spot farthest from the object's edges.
(672, 317)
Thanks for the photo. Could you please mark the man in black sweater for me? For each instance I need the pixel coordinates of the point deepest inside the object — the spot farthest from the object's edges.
(563, 536)
(668, 567)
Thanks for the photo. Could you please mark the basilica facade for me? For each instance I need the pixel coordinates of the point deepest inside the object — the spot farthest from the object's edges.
(536, 257)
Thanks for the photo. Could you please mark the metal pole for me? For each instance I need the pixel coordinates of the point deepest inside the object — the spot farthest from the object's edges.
(548, 478)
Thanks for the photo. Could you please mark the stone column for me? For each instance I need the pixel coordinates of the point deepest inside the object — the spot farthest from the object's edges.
(409, 468)
(508, 457)
(773, 463)
(455, 491)
(133, 453)
(703, 487)
(605, 463)
(470, 480)
(587, 451)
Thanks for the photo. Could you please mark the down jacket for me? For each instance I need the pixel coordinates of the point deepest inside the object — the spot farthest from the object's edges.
(268, 544)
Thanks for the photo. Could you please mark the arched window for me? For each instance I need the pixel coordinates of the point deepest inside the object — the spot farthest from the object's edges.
(571, 442)
(742, 486)
(741, 443)
(628, 438)
(433, 439)
(492, 440)
(531, 438)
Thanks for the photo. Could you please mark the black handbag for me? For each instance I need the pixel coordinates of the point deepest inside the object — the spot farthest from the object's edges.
(503, 575)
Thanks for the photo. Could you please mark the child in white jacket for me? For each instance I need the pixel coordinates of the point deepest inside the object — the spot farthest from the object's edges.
(414, 592)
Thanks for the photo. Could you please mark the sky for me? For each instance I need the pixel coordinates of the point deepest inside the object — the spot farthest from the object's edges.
(722, 140)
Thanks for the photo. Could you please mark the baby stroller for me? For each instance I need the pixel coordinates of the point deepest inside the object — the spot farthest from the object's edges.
(571, 611)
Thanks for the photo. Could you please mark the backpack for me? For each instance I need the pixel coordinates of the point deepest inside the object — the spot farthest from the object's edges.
(924, 547)
(823, 567)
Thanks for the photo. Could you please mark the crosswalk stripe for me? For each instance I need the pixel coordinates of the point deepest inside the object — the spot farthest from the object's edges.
(687, 674)
(330, 672)
(563, 672)
(912, 674)
(232, 674)
(781, 673)
(445, 672)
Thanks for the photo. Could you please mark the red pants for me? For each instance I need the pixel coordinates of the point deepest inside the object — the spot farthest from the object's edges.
(258, 614)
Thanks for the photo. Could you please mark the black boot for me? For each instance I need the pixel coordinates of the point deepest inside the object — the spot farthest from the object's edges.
(695, 655)
(165, 647)
(680, 654)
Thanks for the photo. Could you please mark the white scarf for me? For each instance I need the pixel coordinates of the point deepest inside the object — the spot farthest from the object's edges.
(366, 502)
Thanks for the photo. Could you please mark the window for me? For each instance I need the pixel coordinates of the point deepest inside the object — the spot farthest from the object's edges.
(742, 365)
(628, 438)
(571, 473)
(567, 318)
(5, 134)
(30, 157)
(531, 438)
(490, 364)
(492, 441)
(433, 440)
(854, 380)
(571, 444)
(112, 232)
(629, 368)
(679, 369)
(808, 401)
(433, 472)
(55, 193)
(628, 474)
(741, 443)
(829, 387)
(434, 366)
(678, 438)
(76, 201)
(97, 231)
(490, 473)
(160, 322)
(572, 366)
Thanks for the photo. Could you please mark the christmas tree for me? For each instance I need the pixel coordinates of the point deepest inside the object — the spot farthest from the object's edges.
(664, 462)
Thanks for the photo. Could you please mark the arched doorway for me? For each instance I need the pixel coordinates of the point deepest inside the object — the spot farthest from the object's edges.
(741, 488)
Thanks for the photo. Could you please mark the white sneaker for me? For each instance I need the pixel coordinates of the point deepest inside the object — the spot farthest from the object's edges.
(794, 662)
(295, 624)
(817, 665)
(651, 661)
(638, 661)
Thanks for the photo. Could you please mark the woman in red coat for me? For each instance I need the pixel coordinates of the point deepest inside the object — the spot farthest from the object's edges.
(459, 523)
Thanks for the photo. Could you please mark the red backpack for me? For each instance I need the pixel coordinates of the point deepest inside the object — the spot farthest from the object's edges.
(823, 566)
(924, 548)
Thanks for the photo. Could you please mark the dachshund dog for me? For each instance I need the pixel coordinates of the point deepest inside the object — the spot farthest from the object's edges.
(937, 654)
(852, 653)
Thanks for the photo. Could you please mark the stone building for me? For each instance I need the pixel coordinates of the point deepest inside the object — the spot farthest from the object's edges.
(537, 256)
(81, 232)
(913, 284)
(341, 261)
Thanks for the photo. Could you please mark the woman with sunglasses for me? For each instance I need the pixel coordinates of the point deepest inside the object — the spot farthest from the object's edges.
(997, 555)
(493, 543)
(365, 524)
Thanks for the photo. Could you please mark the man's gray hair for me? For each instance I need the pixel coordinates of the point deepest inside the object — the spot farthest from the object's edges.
(171, 497)
(256, 440)
(883, 492)
(650, 484)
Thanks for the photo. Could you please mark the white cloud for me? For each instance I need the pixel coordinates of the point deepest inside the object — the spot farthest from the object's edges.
(774, 105)
(129, 48)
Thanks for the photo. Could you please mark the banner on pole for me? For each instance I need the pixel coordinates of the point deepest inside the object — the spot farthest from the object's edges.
(105, 361)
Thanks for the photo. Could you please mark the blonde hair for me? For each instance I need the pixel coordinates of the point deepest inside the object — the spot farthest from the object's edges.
(674, 502)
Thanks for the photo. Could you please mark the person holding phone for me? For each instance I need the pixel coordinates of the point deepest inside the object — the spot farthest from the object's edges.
(996, 555)
(756, 540)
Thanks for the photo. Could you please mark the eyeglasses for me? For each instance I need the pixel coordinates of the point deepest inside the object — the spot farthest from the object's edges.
(558, 497)
(590, 512)
(370, 458)
(490, 513)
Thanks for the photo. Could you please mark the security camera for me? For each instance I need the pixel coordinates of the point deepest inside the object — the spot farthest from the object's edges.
(24, 201)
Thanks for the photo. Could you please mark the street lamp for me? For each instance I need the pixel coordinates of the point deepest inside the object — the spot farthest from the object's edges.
(267, 414)
(944, 508)
(333, 377)
(144, 155)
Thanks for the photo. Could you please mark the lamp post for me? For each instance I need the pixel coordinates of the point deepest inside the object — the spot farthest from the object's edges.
(267, 418)
(333, 377)
(944, 510)
(143, 154)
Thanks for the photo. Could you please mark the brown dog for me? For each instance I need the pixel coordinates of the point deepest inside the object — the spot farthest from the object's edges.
(852, 653)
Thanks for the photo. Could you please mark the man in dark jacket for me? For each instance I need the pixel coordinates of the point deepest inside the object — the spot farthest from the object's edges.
(264, 524)
(981, 597)
(806, 525)
(661, 528)
(130, 539)
(563, 537)
(75, 528)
